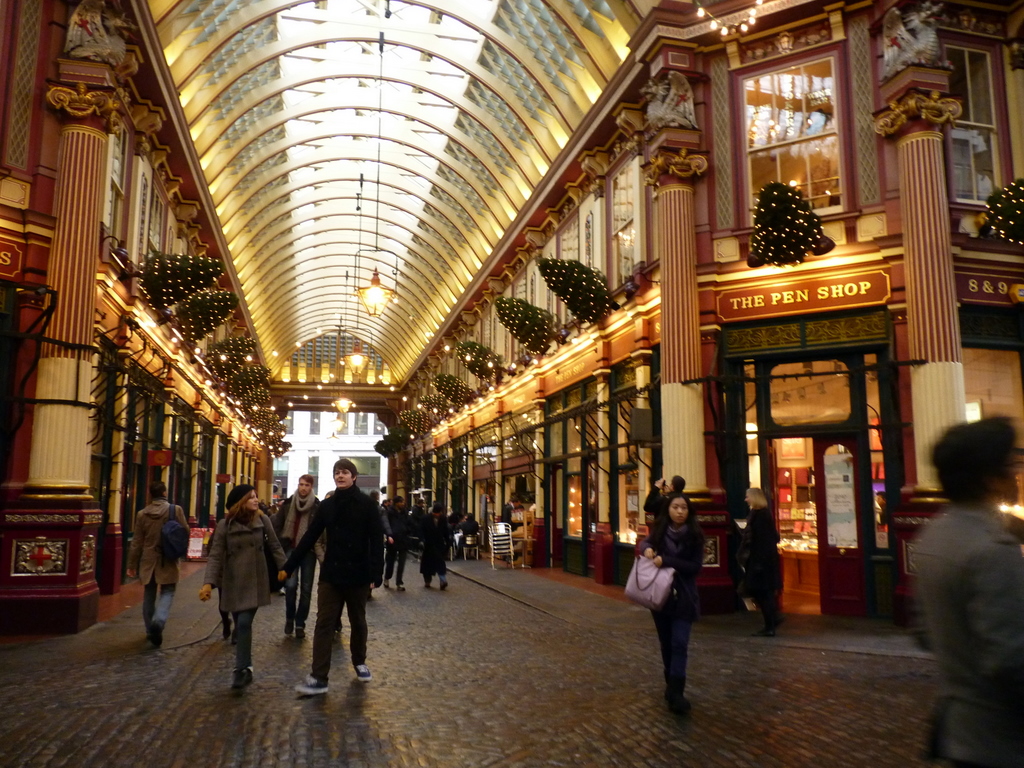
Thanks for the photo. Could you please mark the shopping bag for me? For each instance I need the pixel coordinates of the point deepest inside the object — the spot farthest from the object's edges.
(648, 585)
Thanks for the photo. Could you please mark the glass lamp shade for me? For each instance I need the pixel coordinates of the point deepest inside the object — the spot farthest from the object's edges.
(343, 404)
(375, 297)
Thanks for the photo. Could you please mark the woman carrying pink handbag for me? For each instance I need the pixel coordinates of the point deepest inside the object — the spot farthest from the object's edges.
(676, 542)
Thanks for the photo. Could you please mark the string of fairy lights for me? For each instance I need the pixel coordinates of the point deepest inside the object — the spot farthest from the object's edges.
(726, 29)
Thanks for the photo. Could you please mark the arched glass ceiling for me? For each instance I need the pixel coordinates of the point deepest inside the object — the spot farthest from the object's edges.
(343, 136)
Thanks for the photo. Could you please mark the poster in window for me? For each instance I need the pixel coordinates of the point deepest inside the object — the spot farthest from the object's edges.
(840, 501)
(793, 448)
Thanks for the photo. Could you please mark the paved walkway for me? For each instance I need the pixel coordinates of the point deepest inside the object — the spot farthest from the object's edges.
(506, 668)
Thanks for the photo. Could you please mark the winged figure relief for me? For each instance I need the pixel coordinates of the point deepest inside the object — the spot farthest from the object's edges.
(670, 102)
(910, 38)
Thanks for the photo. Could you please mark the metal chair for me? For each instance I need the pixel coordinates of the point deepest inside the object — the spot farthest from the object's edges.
(501, 543)
(471, 542)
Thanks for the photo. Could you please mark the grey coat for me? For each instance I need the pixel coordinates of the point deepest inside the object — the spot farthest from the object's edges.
(145, 555)
(970, 592)
(238, 565)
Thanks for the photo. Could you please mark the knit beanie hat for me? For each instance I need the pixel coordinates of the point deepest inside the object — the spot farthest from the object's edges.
(238, 493)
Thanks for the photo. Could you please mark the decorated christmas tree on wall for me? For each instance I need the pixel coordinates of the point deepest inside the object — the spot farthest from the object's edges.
(171, 278)
(481, 361)
(202, 312)
(251, 386)
(583, 290)
(453, 389)
(1006, 212)
(435, 404)
(228, 356)
(394, 441)
(785, 228)
(532, 326)
(416, 421)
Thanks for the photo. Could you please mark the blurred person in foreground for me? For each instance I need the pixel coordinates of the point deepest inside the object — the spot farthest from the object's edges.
(970, 595)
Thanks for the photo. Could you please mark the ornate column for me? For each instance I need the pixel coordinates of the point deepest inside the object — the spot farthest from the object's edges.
(541, 547)
(48, 563)
(672, 172)
(914, 119)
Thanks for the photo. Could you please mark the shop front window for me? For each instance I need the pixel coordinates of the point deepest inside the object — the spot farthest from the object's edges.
(791, 132)
(811, 392)
(992, 385)
(574, 517)
(973, 137)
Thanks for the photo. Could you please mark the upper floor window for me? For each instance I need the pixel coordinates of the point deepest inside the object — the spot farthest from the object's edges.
(973, 153)
(623, 225)
(791, 132)
(115, 189)
(362, 424)
(569, 240)
(314, 423)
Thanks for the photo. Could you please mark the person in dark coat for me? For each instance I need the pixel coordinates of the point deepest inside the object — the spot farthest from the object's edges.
(146, 559)
(655, 502)
(676, 541)
(398, 546)
(969, 589)
(437, 539)
(759, 556)
(290, 523)
(468, 527)
(353, 562)
(238, 568)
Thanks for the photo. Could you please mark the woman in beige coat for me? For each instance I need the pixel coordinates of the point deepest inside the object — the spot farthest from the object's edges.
(146, 560)
(238, 568)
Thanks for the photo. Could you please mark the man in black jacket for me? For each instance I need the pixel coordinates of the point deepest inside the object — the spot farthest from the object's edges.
(398, 542)
(353, 561)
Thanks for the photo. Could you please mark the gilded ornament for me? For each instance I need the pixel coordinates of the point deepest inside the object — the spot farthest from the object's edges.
(81, 102)
(932, 107)
(680, 164)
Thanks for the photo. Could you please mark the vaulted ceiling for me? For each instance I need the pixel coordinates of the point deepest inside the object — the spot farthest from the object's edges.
(339, 137)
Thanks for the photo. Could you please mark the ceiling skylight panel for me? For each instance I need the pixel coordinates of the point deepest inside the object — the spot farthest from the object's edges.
(226, 102)
(252, 37)
(254, 117)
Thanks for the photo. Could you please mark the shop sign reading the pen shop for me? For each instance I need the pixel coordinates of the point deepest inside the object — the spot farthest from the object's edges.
(794, 297)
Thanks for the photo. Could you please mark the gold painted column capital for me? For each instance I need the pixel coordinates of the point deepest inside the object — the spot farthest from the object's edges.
(917, 107)
(80, 102)
(667, 167)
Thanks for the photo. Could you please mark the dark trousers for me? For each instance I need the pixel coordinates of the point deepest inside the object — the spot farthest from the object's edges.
(243, 631)
(330, 600)
(300, 584)
(765, 599)
(393, 554)
(674, 637)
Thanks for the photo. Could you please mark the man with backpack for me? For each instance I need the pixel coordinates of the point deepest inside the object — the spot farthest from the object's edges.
(154, 556)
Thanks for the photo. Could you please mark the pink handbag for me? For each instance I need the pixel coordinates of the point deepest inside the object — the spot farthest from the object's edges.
(648, 585)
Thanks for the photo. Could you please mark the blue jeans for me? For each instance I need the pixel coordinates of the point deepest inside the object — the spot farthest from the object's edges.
(674, 637)
(155, 611)
(243, 627)
(300, 581)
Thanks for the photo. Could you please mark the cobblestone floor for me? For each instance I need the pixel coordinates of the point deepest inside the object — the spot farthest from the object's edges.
(468, 677)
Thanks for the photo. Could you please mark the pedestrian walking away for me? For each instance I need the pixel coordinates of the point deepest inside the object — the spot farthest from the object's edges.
(353, 562)
(759, 557)
(676, 541)
(238, 568)
(969, 589)
(437, 540)
(290, 523)
(146, 559)
(398, 543)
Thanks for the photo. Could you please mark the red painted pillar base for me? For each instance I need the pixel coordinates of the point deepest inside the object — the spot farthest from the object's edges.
(714, 583)
(48, 566)
(109, 576)
(905, 523)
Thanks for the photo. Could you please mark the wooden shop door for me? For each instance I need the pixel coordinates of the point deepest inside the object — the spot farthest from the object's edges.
(838, 504)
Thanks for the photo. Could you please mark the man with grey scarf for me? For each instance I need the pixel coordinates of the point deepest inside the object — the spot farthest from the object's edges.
(290, 523)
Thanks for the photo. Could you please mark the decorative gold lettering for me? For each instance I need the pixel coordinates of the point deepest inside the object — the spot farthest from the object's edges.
(5, 259)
